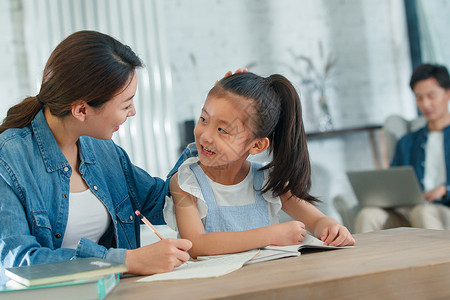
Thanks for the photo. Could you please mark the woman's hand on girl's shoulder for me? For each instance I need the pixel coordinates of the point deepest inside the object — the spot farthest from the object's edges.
(336, 235)
(231, 73)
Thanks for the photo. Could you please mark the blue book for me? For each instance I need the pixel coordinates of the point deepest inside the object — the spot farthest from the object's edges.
(93, 288)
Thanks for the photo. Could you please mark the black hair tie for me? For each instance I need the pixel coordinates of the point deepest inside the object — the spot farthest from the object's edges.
(39, 100)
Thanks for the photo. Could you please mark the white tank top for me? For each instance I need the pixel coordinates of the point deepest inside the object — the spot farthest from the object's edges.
(88, 218)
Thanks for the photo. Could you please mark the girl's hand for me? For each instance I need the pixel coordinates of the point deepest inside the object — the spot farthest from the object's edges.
(288, 233)
(159, 257)
(336, 235)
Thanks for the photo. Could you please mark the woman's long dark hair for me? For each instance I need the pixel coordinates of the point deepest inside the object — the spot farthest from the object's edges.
(278, 116)
(87, 65)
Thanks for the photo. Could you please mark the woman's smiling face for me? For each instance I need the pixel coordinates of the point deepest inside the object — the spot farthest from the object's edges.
(107, 119)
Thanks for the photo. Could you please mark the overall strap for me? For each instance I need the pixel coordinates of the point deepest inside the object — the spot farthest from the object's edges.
(258, 177)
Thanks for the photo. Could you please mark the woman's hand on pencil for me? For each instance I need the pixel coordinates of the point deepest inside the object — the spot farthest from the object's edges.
(159, 257)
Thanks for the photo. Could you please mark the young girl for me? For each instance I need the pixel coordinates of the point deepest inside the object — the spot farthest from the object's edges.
(224, 203)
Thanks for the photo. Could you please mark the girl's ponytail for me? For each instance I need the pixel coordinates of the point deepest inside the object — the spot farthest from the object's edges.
(20, 115)
(291, 169)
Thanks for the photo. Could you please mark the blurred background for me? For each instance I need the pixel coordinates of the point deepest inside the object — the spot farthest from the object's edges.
(350, 60)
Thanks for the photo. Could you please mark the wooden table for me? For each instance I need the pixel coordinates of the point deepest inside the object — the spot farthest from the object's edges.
(402, 263)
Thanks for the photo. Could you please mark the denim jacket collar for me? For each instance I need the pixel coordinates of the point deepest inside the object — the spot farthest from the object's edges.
(53, 158)
(446, 130)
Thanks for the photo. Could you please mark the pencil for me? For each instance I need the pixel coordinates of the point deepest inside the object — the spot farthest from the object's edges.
(149, 225)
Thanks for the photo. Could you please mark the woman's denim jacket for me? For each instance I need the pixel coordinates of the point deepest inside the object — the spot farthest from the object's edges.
(410, 151)
(34, 189)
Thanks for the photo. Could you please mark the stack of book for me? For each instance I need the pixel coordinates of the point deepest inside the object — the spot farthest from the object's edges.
(83, 278)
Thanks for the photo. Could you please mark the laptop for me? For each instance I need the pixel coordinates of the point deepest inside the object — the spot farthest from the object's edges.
(396, 186)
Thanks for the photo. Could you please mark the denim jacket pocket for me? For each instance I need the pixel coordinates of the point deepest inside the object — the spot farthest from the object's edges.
(42, 228)
(126, 218)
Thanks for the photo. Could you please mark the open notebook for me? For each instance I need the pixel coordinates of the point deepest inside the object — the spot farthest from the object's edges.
(218, 265)
(275, 252)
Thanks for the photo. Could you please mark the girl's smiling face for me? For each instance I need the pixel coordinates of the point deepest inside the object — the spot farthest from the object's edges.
(223, 134)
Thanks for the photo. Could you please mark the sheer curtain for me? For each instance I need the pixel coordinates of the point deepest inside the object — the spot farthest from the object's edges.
(434, 24)
(150, 137)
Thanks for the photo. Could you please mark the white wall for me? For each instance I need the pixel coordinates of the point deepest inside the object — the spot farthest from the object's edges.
(434, 24)
(205, 38)
(13, 67)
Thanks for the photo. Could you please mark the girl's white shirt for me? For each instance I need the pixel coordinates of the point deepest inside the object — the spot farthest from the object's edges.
(238, 194)
(88, 218)
(435, 173)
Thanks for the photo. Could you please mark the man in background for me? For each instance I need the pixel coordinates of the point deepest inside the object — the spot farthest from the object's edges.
(427, 150)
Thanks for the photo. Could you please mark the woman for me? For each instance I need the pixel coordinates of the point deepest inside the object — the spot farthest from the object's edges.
(67, 190)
